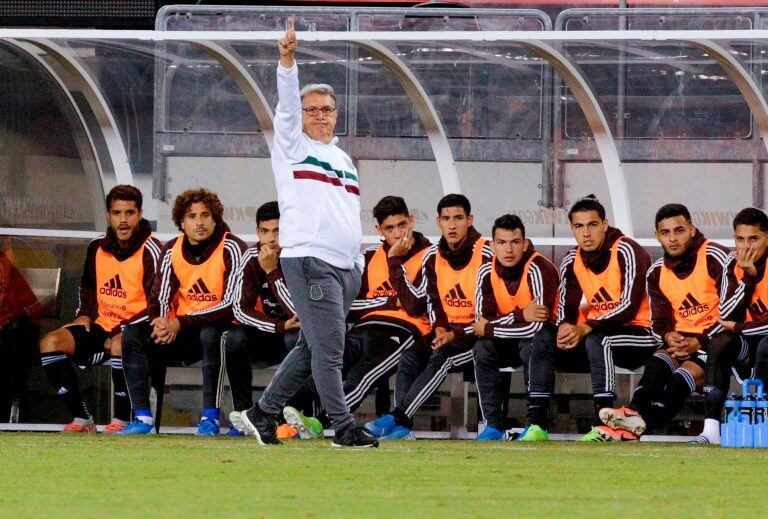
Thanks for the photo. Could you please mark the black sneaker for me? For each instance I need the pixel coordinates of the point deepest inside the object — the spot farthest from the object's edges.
(355, 437)
(254, 422)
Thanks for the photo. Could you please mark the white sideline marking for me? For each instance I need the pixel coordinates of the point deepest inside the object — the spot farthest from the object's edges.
(421, 435)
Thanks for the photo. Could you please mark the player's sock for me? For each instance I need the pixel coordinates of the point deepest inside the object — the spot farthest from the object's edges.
(121, 400)
(656, 375)
(212, 413)
(602, 400)
(144, 415)
(714, 399)
(661, 410)
(538, 411)
(63, 377)
(711, 430)
(402, 419)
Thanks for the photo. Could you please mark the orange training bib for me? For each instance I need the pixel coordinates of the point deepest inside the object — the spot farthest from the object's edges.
(119, 288)
(603, 291)
(695, 299)
(200, 286)
(458, 289)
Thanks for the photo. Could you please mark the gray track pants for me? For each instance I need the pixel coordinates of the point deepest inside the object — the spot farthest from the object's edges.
(322, 295)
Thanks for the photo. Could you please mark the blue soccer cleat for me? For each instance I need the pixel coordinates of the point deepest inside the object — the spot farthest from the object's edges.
(381, 426)
(207, 427)
(234, 432)
(490, 434)
(138, 427)
(399, 433)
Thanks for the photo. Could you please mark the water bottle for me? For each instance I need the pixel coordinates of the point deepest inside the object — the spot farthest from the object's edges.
(747, 409)
(730, 405)
(761, 410)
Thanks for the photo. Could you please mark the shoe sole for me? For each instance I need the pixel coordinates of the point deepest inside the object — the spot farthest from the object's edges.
(609, 438)
(409, 437)
(249, 427)
(338, 446)
(237, 421)
(616, 419)
(89, 431)
(294, 418)
(151, 431)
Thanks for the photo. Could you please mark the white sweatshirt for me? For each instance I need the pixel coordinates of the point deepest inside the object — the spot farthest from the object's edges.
(317, 186)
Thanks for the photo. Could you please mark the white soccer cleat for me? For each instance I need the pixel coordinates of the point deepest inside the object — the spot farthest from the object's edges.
(623, 418)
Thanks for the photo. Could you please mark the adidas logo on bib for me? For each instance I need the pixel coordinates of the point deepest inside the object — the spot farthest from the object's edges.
(114, 288)
(200, 292)
(457, 299)
(691, 306)
(602, 301)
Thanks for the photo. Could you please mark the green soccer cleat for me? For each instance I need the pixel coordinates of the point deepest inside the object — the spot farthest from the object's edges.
(533, 433)
(592, 436)
(309, 427)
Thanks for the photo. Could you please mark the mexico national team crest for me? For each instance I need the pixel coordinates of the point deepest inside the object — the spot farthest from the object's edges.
(315, 292)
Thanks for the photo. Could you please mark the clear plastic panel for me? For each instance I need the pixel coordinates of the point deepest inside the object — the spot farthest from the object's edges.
(657, 90)
(480, 92)
(48, 173)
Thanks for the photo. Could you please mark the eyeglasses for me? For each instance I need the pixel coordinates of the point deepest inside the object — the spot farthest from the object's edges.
(313, 110)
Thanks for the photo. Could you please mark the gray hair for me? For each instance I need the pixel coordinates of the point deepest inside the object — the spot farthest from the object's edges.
(318, 88)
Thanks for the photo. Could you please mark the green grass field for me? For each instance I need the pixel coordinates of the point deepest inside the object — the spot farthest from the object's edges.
(50, 475)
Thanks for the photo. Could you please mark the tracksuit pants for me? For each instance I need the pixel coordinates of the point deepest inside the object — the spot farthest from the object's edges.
(141, 356)
(422, 370)
(322, 295)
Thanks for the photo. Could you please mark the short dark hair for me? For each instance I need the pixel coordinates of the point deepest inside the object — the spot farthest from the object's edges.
(508, 222)
(268, 211)
(126, 193)
(389, 206)
(193, 196)
(454, 200)
(587, 203)
(751, 216)
(670, 211)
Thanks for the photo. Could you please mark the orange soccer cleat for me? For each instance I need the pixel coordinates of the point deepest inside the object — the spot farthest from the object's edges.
(86, 428)
(114, 426)
(286, 432)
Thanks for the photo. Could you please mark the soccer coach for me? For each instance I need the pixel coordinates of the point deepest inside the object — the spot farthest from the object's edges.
(320, 235)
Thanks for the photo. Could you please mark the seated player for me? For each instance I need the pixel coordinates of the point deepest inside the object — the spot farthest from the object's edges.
(116, 281)
(450, 280)
(20, 314)
(189, 309)
(688, 290)
(749, 320)
(608, 269)
(516, 298)
(389, 312)
(267, 327)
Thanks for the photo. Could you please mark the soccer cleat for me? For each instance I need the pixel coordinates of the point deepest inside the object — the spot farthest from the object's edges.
(74, 428)
(287, 432)
(381, 426)
(137, 427)
(609, 434)
(400, 432)
(234, 433)
(254, 422)
(354, 437)
(593, 436)
(208, 427)
(623, 418)
(490, 434)
(533, 433)
(114, 426)
(700, 440)
(309, 427)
